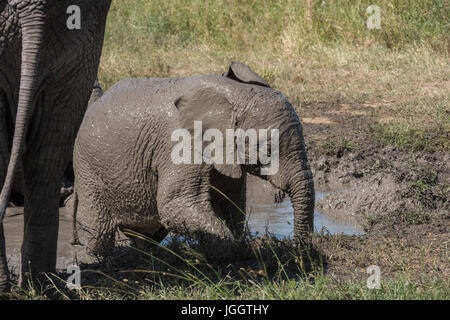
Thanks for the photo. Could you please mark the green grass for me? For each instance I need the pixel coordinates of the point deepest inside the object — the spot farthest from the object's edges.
(411, 138)
(160, 37)
(192, 277)
(264, 268)
(334, 146)
(320, 288)
(227, 23)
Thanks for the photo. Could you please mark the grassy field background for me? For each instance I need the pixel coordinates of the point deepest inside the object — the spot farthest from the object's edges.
(315, 52)
(285, 41)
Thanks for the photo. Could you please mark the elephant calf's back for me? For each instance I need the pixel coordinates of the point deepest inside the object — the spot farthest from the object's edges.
(113, 158)
(123, 141)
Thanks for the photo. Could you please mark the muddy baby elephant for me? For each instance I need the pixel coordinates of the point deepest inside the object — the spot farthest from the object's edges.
(141, 161)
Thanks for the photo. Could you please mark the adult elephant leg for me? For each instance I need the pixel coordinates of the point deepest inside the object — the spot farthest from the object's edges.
(43, 176)
(44, 165)
(4, 158)
(4, 273)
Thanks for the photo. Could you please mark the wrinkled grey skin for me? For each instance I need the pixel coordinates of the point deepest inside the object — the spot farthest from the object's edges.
(46, 77)
(125, 178)
(67, 185)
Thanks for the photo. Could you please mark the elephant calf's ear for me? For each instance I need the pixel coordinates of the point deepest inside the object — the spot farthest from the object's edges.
(210, 106)
(242, 73)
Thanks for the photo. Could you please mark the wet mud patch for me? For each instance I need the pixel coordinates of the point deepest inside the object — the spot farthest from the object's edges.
(392, 179)
(382, 178)
(385, 188)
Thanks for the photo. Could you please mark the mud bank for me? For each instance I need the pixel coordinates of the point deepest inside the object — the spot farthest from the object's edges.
(384, 187)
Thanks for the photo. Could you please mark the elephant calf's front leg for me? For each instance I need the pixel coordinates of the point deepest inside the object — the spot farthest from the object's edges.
(228, 197)
(194, 220)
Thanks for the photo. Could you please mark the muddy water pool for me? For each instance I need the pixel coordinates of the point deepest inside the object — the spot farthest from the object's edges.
(263, 216)
(278, 219)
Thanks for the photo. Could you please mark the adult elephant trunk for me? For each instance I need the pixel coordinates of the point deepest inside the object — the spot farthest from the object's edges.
(32, 21)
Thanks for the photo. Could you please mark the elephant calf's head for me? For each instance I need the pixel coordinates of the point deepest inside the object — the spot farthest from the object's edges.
(261, 134)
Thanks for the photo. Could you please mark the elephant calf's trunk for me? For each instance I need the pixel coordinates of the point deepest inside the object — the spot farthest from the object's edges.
(302, 197)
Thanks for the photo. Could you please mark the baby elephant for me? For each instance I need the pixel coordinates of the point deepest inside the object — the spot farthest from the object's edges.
(141, 162)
